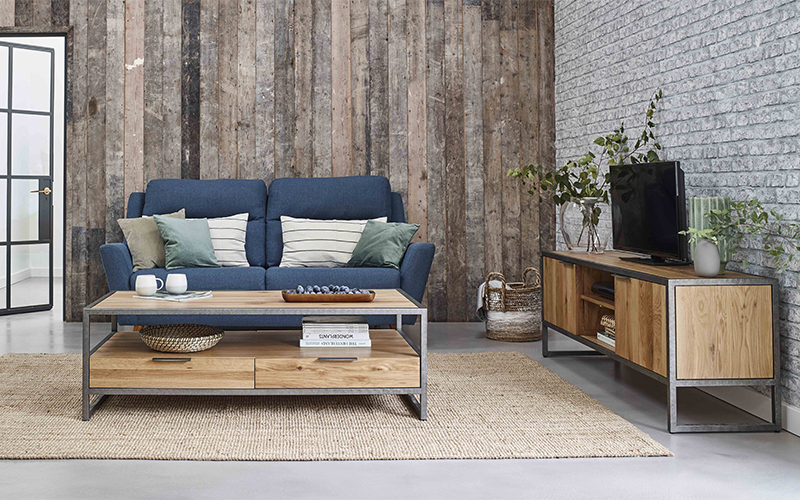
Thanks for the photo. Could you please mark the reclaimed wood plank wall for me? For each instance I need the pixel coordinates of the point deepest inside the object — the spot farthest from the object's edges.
(440, 96)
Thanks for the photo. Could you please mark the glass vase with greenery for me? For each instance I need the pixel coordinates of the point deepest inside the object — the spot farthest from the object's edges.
(586, 180)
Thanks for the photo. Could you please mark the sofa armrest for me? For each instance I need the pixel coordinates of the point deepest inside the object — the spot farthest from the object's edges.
(415, 268)
(118, 265)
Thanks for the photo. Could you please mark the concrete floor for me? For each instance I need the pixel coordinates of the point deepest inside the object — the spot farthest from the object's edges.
(724, 466)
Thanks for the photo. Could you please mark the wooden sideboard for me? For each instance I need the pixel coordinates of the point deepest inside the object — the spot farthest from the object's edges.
(672, 325)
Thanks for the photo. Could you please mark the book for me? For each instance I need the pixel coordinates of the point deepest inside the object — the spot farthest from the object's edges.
(331, 335)
(175, 297)
(336, 343)
(607, 339)
(327, 321)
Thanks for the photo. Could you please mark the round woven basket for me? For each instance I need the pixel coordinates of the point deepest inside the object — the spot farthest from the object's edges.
(513, 310)
(180, 338)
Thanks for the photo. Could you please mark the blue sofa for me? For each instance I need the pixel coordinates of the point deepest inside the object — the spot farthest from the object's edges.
(363, 197)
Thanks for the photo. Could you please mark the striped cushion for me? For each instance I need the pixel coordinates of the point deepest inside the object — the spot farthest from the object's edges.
(228, 236)
(319, 243)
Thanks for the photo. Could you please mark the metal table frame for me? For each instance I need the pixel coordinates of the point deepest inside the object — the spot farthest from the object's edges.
(672, 382)
(417, 397)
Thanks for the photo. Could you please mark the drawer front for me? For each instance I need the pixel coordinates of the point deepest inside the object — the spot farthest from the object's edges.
(149, 373)
(330, 373)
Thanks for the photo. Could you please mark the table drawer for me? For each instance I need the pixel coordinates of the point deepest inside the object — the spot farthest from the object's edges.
(337, 372)
(172, 371)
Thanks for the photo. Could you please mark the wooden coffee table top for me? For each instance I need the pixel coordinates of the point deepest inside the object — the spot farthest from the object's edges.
(246, 299)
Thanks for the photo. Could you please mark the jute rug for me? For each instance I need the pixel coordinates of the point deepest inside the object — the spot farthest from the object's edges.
(482, 405)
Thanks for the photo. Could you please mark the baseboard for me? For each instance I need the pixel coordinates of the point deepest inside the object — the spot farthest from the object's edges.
(32, 272)
(758, 404)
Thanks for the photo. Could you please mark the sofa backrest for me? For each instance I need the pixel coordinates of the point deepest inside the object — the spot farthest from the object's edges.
(214, 198)
(360, 197)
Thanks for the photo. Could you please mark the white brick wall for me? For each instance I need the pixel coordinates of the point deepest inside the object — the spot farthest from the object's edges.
(730, 72)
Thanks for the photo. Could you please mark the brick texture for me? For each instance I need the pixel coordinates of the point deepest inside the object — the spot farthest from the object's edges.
(730, 72)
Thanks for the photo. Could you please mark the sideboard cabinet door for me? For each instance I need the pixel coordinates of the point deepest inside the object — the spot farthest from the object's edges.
(560, 295)
(641, 323)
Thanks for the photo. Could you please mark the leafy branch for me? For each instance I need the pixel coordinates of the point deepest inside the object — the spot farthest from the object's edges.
(588, 176)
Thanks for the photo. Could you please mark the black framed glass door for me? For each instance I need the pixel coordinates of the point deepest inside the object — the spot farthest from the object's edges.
(27, 94)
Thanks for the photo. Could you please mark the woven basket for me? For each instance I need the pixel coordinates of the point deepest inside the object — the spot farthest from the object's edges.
(513, 311)
(180, 338)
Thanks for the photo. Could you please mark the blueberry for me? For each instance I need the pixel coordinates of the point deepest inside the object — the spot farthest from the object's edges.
(345, 288)
(300, 289)
(289, 292)
(325, 289)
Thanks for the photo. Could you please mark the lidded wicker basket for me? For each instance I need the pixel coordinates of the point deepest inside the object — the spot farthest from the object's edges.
(180, 338)
(513, 311)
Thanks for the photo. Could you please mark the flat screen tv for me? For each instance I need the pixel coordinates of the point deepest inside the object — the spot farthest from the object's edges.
(648, 209)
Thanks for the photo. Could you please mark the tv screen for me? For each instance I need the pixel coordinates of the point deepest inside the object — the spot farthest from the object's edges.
(648, 209)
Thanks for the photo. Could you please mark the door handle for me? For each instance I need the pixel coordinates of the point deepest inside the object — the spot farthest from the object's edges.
(337, 359)
(45, 191)
(173, 360)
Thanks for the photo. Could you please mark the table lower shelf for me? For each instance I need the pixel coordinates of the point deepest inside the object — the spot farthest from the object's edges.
(254, 360)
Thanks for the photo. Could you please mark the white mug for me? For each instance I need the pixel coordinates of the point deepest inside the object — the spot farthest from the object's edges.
(147, 284)
(176, 283)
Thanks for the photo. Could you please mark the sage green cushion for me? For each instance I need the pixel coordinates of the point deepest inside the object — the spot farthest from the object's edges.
(187, 243)
(145, 242)
(382, 244)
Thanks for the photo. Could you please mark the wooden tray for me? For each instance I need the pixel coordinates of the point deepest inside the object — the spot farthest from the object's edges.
(328, 297)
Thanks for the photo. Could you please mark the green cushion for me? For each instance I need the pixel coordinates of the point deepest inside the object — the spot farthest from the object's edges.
(144, 241)
(382, 244)
(187, 243)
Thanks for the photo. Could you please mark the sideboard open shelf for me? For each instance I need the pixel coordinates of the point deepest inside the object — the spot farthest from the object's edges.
(672, 325)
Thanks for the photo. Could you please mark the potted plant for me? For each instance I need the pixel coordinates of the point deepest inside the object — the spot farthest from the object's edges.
(746, 220)
(584, 183)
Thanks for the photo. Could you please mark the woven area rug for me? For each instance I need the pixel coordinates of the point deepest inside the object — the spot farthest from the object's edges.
(481, 405)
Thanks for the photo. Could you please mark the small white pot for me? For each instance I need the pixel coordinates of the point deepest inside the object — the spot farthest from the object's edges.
(706, 259)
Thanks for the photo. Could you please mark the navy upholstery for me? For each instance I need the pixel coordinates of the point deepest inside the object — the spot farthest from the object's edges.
(214, 198)
(363, 197)
(213, 278)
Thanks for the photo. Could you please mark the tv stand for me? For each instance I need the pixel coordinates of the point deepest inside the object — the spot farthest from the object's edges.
(678, 328)
(653, 260)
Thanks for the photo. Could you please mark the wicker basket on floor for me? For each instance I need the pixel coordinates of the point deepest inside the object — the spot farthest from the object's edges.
(513, 311)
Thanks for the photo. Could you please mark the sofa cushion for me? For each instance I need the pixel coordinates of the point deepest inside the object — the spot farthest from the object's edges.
(285, 278)
(344, 198)
(215, 198)
(218, 278)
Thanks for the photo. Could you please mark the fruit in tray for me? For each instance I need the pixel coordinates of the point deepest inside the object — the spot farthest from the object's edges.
(328, 289)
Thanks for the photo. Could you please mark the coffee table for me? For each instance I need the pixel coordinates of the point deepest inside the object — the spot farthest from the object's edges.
(256, 362)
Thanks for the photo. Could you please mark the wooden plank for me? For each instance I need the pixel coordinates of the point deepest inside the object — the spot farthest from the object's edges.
(417, 207)
(43, 14)
(473, 150)
(723, 332)
(529, 128)
(321, 86)
(172, 89)
(374, 371)
(398, 100)
(341, 105)
(115, 118)
(7, 13)
(641, 323)
(265, 89)
(190, 90)
(76, 262)
(59, 13)
(23, 13)
(96, 147)
(284, 88)
(303, 88)
(378, 134)
(70, 133)
(228, 93)
(560, 295)
(153, 90)
(493, 171)
(134, 97)
(209, 89)
(359, 81)
(246, 91)
(455, 160)
(437, 217)
(547, 116)
(509, 130)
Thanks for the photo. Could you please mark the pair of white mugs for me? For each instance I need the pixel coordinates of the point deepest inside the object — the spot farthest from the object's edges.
(147, 284)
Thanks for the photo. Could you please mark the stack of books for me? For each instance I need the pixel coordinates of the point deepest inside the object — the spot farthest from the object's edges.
(335, 331)
(608, 335)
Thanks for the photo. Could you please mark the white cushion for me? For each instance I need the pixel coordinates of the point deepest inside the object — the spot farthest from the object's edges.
(319, 243)
(228, 236)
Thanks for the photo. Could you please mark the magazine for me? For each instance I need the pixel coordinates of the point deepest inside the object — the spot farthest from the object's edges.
(176, 297)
